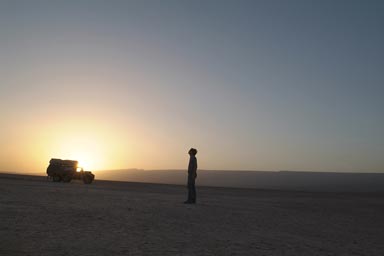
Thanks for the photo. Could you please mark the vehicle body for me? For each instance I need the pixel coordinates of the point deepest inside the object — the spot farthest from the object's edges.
(67, 170)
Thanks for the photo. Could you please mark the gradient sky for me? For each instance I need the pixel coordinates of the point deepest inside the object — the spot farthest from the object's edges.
(253, 85)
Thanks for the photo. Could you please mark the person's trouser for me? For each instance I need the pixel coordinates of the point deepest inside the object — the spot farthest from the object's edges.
(191, 190)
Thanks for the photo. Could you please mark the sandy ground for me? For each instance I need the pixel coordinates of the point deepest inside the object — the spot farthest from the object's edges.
(38, 217)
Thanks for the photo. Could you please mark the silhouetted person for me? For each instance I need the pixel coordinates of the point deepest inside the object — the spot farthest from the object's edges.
(192, 174)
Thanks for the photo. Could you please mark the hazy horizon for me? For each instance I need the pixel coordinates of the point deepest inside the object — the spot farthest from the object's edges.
(43, 171)
(253, 85)
(275, 180)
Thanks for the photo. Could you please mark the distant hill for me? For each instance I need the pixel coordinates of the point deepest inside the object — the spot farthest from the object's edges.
(285, 180)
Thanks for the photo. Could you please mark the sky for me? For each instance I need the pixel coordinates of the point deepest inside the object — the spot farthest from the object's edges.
(253, 85)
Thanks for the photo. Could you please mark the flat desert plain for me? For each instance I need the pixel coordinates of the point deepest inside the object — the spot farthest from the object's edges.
(39, 217)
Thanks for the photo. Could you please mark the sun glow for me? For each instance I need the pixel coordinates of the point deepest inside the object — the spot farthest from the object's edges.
(96, 143)
(88, 144)
(88, 152)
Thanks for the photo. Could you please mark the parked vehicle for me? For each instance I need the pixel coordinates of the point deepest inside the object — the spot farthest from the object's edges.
(67, 170)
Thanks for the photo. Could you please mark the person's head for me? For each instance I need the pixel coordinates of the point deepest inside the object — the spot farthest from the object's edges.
(192, 152)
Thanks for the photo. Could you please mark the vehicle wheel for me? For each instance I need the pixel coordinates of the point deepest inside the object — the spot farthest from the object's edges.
(56, 178)
(67, 178)
(87, 180)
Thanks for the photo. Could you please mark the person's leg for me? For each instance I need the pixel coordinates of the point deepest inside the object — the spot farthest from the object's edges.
(189, 200)
(192, 190)
(193, 193)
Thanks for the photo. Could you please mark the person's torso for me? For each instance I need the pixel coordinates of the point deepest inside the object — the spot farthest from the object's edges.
(192, 166)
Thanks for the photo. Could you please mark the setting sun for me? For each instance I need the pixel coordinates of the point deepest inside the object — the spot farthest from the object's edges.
(94, 144)
(85, 147)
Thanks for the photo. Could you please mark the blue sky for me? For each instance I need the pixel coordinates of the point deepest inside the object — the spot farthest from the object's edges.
(261, 85)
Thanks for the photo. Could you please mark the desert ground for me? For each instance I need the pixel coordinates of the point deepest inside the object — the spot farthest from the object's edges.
(39, 217)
